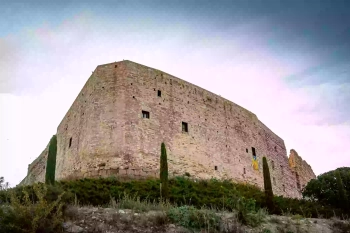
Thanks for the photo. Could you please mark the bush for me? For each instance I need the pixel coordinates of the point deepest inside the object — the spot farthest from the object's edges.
(27, 214)
(221, 195)
(192, 218)
(327, 189)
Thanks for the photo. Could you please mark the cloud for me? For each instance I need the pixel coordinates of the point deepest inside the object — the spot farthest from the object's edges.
(244, 61)
(9, 63)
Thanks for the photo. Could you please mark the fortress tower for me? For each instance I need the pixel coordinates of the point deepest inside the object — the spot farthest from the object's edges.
(126, 110)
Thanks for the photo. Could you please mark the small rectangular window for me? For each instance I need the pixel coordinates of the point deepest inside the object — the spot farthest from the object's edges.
(253, 151)
(184, 127)
(216, 168)
(159, 93)
(70, 142)
(145, 114)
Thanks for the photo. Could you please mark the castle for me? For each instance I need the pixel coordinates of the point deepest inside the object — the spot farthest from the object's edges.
(126, 110)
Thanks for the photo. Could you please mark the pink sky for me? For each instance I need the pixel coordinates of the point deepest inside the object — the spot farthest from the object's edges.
(44, 67)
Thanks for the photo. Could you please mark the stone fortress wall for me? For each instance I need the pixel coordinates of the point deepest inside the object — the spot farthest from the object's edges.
(37, 169)
(104, 133)
(301, 169)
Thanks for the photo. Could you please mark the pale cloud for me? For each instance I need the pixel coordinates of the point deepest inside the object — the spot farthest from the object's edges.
(53, 63)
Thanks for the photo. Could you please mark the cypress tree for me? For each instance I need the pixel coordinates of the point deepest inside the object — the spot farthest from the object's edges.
(267, 186)
(164, 172)
(51, 161)
(343, 199)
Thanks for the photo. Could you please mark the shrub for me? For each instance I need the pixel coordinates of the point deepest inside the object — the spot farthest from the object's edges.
(341, 226)
(135, 203)
(223, 195)
(341, 192)
(29, 215)
(328, 190)
(192, 218)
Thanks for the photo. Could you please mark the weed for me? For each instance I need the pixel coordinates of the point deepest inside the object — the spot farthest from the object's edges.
(29, 215)
(341, 226)
(275, 220)
(192, 218)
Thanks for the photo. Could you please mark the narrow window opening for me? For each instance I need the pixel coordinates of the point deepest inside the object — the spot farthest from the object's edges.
(284, 188)
(254, 154)
(246, 150)
(188, 102)
(103, 87)
(216, 168)
(115, 66)
(275, 148)
(154, 89)
(131, 84)
(184, 127)
(133, 97)
(244, 170)
(70, 142)
(145, 114)
(159, 93)
(253, 151)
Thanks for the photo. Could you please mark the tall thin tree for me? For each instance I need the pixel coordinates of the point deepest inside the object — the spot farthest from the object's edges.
(164, 172)
(268, 186)
(51, 161)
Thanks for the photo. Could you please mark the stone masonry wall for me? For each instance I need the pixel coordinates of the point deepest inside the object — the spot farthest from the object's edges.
(301, 170)
(104, 134)
(37, 169)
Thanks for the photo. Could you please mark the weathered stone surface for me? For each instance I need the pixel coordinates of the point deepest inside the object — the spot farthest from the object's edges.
(37, 169)
(301, 169)
(104, 126)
